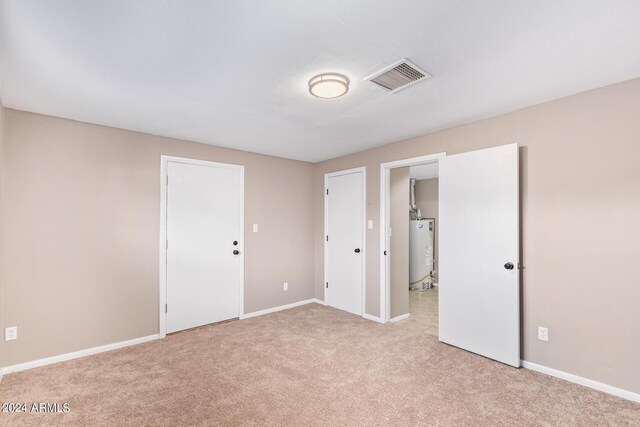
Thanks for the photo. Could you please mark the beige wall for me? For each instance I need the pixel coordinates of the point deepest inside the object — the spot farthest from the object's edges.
(427, 202)
(580, 189)
(399, 249)
(79, 248)
(81, 232)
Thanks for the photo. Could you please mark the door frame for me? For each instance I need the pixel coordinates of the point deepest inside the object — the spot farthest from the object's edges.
(162, 291)
(362, 170)
(385, 218)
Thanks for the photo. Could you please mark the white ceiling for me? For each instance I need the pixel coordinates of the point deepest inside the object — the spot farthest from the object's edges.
(428, 171)
(234, 73)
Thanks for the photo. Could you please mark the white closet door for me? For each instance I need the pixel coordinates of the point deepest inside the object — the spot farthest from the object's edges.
(479, 298)
(345, 245)
(203, 222)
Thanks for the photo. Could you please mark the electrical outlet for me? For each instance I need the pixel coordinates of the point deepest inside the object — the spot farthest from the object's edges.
(255, 228)
(11, 333)
(543, 333)
(370, 225)
(285, 287)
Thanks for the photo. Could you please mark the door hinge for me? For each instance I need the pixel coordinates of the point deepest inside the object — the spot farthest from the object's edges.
(327, 285)
(327, 238)
(166, 308)
(327, 191)
(167, 247)
(167, 179)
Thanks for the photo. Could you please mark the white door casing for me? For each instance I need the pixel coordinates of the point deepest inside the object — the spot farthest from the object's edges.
(345, 240)
(479, 297)
(385, 225)
(203, 219)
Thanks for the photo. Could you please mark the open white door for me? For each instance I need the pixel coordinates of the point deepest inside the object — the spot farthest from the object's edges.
(479, 301)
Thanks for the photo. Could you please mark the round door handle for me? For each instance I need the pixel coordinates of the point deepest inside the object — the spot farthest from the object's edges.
(236, 252)
(357, 250)
(509, 266)
(235, 243)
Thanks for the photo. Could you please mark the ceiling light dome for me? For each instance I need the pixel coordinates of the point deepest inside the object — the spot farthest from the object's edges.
(328, 85)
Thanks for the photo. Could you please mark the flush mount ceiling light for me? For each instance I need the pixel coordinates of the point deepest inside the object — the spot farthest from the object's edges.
(328, 85)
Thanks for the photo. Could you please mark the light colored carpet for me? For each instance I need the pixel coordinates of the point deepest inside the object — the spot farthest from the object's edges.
(308, 366)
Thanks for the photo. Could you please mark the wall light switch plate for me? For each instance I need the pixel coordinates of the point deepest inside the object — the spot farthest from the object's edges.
(255, 228)
(285, 287)
(370, 225)
(11, 333)
(543, 333)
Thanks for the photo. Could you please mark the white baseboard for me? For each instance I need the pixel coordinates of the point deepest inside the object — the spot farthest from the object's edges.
(115, 346)
(398, 318)
(370, 317)
(77, 354)
(282, 307)
(319, 301)
(606, 388)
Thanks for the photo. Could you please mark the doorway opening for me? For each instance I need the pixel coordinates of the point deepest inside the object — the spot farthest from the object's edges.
(409, 231)
(423, 246)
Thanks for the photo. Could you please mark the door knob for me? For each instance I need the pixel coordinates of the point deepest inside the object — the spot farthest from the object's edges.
(357, 250)
(509, 266)
(236, 252)
(235, 243)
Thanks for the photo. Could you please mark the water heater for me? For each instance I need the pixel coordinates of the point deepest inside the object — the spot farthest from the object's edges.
(421, 253)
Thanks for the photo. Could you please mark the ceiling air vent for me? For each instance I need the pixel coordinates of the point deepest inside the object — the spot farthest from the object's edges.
(398, 76)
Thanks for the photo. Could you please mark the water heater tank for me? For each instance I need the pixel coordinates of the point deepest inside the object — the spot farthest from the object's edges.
(420, 252)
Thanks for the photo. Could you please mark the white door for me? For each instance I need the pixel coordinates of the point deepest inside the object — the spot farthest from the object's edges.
(479, 298)
(345, 241)
(204, 247)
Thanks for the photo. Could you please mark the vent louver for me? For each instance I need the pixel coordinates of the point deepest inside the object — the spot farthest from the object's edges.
(398, 76)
